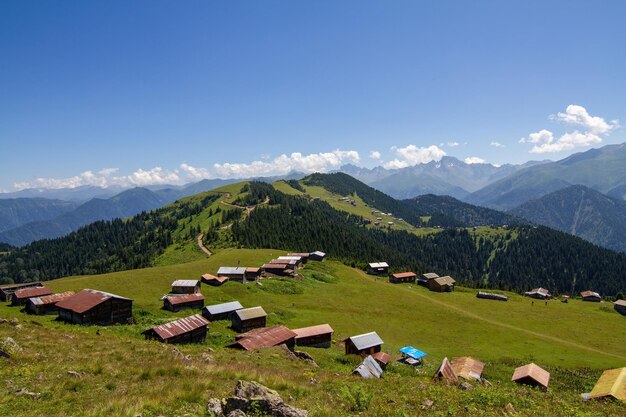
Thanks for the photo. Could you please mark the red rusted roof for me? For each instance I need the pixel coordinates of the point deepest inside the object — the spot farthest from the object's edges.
(467, 367)
(534, 372)
(253, 270)
(382, 357)
(446, 372)
(209, 277)
(184, 298)
(180, 326)
(86, 300)
(32, 292)
(310, 331)
(585, 294)
(400, 275)
(51, 299)
(266, 337)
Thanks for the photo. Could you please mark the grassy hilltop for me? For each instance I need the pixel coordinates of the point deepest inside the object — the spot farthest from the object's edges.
(121, 374)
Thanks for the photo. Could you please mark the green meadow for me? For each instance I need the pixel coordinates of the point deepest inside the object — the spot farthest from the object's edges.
(122, 374)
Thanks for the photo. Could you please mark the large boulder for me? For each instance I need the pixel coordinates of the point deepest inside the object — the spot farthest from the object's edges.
(251, 396)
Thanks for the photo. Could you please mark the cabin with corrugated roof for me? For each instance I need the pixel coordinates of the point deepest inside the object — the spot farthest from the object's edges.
(425, 278)
(95, 307)
(620, 307)
(363, 344)
(213, 280)
(233, 273)
(46, 304)
(378, 268)
(402, 277)
(247, 319)
(177, 302)
(186, 286)
(6, 291)
(317, 256)
(22, 295)
(221, 311)
(265, 337)
(591, 296)
(319, 336)
(442, 284)
(192, 329)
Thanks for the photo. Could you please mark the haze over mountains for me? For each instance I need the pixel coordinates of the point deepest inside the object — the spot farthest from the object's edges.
(49, 213)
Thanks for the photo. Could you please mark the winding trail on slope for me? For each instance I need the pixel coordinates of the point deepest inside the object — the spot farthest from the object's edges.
(202, 247)
(509, 326)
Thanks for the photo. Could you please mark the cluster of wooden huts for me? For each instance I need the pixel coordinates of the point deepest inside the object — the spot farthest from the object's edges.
(286, 265)
(430, 280)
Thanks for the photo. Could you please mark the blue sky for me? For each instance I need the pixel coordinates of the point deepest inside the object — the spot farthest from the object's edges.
(163, 91)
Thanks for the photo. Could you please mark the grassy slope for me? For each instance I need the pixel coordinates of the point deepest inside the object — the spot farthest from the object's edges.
(361, 209)
(125, 375)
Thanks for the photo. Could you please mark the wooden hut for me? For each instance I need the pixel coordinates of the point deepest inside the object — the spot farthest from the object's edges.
(177, 302)
(234, 273)
(252, 273)
(364, 344)
(265, 337)
(6, 291)
(590, 296)
(401, 277)
(317, 256)
(247, 319)
(492, 296)
(382, 358)
(277, 269)
(304, 256)
(20, 296)
(95, 307)
(612, 383)
(221, 311)
(319, 336)
(192, 329)
(46, 304)
(442, 284)
(446, 372)
(468, 367)
(538, 293)
(213, 280)
(378, 268)
(186, 286)
(296, 261)
(424, 279)
(531, 374)
(620, 307)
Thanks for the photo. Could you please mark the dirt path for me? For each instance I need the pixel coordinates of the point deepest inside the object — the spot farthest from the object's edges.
(202, 247)
(248, 209)
(509, 326)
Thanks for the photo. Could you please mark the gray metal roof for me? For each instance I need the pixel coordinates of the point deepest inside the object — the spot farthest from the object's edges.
(318, 253)
(290, 258)
(369, 368)
(251, 313)
(379, 265)
(185, 283)
(366, 340)
(231, 270)
(224, 307)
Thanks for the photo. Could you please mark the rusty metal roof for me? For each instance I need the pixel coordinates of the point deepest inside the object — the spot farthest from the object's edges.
(185, 283)
(183, 298)
(589, 294)
(51, 299)
(400, 275)
(252, 270)
(275, 266)
(32, 292)
(382, 357)
(366, 340)
(251, 313)
(86, 300)
(266, 337)
(446, 372)
(468, 367)
(180, 326)
(310, 331)
(209, 277)
(534, 372)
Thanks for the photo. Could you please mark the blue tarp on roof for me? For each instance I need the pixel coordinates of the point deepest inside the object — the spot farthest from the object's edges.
(413, 352)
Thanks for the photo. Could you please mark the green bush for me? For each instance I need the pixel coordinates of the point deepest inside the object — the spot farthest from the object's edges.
(357, 397)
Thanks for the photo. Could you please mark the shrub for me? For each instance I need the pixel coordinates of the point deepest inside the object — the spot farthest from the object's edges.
(357, 397)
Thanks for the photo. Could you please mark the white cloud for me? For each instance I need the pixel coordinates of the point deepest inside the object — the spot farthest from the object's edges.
(105, 178)
(195, 173)
(412, 155)
(375, 155)
(497, 144)
(474, 160)
(578, 115)
(594, 128)
(453, 144)
(566, 142)
(316, 162)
